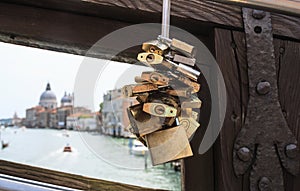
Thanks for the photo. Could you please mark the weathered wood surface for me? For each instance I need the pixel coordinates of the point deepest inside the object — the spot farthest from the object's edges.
(63, 179)
(74, 26)
(231, 57)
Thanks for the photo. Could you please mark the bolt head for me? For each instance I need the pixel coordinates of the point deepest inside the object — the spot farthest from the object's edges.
(291, 150)
(258, 14)
(244, 154)
(264, 184)
(263, 88)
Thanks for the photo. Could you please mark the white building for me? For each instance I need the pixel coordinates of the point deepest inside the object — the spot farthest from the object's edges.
(83, 122)
(114, 113)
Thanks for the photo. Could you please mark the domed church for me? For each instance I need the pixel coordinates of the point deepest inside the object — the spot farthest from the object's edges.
(67, 100)
(48, 98)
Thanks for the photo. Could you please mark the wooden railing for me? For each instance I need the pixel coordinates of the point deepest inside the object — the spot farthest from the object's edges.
(63, 179)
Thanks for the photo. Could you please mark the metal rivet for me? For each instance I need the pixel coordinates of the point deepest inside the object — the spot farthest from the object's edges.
(244, 154)
(291, 150)
(281, 50)
(264, 184)
(258, 14)
(263, 88)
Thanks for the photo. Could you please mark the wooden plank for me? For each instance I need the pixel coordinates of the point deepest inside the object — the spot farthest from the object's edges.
(291, 7)
(288, 66)
(74, 26)
(63, 179)
(230, 55)
(198, 171)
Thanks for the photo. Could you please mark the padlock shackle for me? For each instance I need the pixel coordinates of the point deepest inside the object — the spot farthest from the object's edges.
(166, 12)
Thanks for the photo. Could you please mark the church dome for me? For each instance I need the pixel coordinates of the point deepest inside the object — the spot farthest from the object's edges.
(48, 98)
(66, 98)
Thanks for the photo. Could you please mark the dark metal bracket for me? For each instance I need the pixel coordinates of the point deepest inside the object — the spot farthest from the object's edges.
(265, 145)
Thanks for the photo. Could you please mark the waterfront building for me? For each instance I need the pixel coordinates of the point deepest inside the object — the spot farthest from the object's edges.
(62, 114)
(53, 119)
(32, 115)
(83, 122)
(6, 122)
(114, 113)
(48, 115)
(16, 121)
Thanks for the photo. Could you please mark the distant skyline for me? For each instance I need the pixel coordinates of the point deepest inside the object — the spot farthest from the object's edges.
(26, 71)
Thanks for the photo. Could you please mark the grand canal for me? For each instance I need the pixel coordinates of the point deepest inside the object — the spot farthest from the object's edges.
(93, 155)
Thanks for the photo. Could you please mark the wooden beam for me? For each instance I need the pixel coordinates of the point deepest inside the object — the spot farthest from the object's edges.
(73, 26)
(63, 179)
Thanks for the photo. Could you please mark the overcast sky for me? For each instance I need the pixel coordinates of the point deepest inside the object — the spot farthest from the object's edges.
(26, 71)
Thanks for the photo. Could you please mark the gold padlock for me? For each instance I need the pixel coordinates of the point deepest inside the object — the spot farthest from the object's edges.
(187, 81)
(133, 90)
(183, 47)
(155, 46)
(150, 58)
(155, 78)
(180, 92)
(184, 60)
(142, 123)
(159, 110)
(168, 145)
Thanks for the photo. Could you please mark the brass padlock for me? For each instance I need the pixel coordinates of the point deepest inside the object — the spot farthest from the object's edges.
(155, 46)
(184, 60)
(159, 110)
(150, 58)
(185, 80)
(155, 78)
(183, 47)
(168, 145)
(142, 123)
(180, 92)
(133, 90)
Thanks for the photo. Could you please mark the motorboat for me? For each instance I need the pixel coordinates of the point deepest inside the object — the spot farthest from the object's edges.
(4, 145)
(67, 148)
(138, 148)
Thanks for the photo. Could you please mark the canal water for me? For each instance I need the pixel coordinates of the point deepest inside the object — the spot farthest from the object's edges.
(93, 155)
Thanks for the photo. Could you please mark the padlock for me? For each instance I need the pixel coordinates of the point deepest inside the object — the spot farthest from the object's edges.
(190, 125)
(183, 47)
(168, 145)
(188, 72)
(150, 58)
(133, 90)
(185, 80)
(180, 46)
(192, 102)
(159, 110)
(168, 100)
(155, 78)
(142, 123)
(156, 47)
(180, 92)
(184, 60)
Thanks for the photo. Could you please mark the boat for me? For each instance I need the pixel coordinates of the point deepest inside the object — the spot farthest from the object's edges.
(4, 145)
(67, 148)
(138, 148)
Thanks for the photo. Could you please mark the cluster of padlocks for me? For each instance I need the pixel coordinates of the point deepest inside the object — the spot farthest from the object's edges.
(165, 120)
